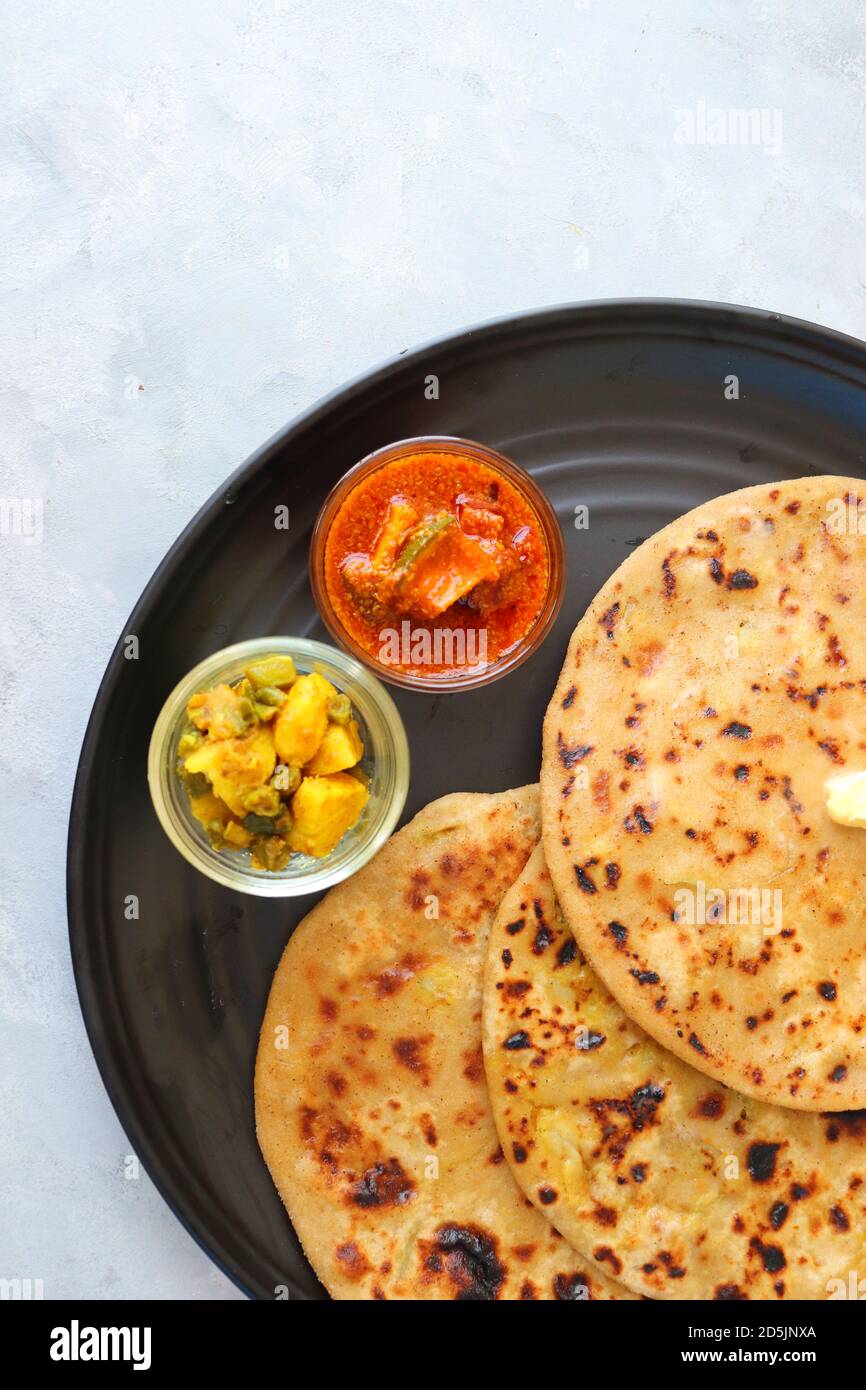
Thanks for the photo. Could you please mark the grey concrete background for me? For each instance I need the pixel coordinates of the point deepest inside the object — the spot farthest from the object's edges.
(216, 211)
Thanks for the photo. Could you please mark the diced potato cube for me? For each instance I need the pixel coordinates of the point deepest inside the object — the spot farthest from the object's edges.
(204, 759)
(209, 809)
(340, 748)
(234, 766)
(303, 718)
(324, 808)
(235, 834)
(271, 671)
(222, 712)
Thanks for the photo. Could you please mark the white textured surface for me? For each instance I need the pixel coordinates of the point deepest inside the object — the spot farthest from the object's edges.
(236, 206)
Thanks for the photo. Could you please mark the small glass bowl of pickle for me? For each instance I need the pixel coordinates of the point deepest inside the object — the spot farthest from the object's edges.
(278, 766)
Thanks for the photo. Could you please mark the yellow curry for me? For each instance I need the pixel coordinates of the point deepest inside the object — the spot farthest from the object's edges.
(271, 763)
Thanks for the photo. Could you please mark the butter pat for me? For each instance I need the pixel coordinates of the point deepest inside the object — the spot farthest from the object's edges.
(846, 799)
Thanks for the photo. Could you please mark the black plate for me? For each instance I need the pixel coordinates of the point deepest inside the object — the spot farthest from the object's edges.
(621, 406)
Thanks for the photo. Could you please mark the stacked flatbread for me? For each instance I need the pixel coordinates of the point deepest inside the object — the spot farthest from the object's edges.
(672, 1182)
(371, 1103)
(707, 952)
(663, 1096)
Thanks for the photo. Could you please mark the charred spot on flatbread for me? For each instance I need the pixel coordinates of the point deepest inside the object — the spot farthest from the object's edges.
(469, 1259)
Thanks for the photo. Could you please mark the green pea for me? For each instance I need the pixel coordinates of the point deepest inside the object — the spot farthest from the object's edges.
(270, 852)
(270, 695)
(340, 709)
(262, 801)
(272, 671)
(196, 783)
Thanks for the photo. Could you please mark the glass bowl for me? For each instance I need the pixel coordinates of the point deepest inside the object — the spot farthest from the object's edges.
(385, 760)
(467, 677)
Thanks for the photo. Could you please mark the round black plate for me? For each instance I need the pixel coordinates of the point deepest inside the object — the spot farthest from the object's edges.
(621, 406)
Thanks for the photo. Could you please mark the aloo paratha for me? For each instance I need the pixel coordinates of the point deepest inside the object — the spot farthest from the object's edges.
(715, 683)
(675, 1184)
(371, 1104)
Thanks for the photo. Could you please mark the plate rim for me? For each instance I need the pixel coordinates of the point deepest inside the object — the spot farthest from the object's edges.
(779, 329)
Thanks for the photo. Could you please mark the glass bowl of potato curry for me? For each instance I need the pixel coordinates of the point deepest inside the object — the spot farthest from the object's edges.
(278, 766)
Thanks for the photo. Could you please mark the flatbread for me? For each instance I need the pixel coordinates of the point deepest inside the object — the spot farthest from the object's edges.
(371, 1105)
(715, 683)
(680, 1187)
